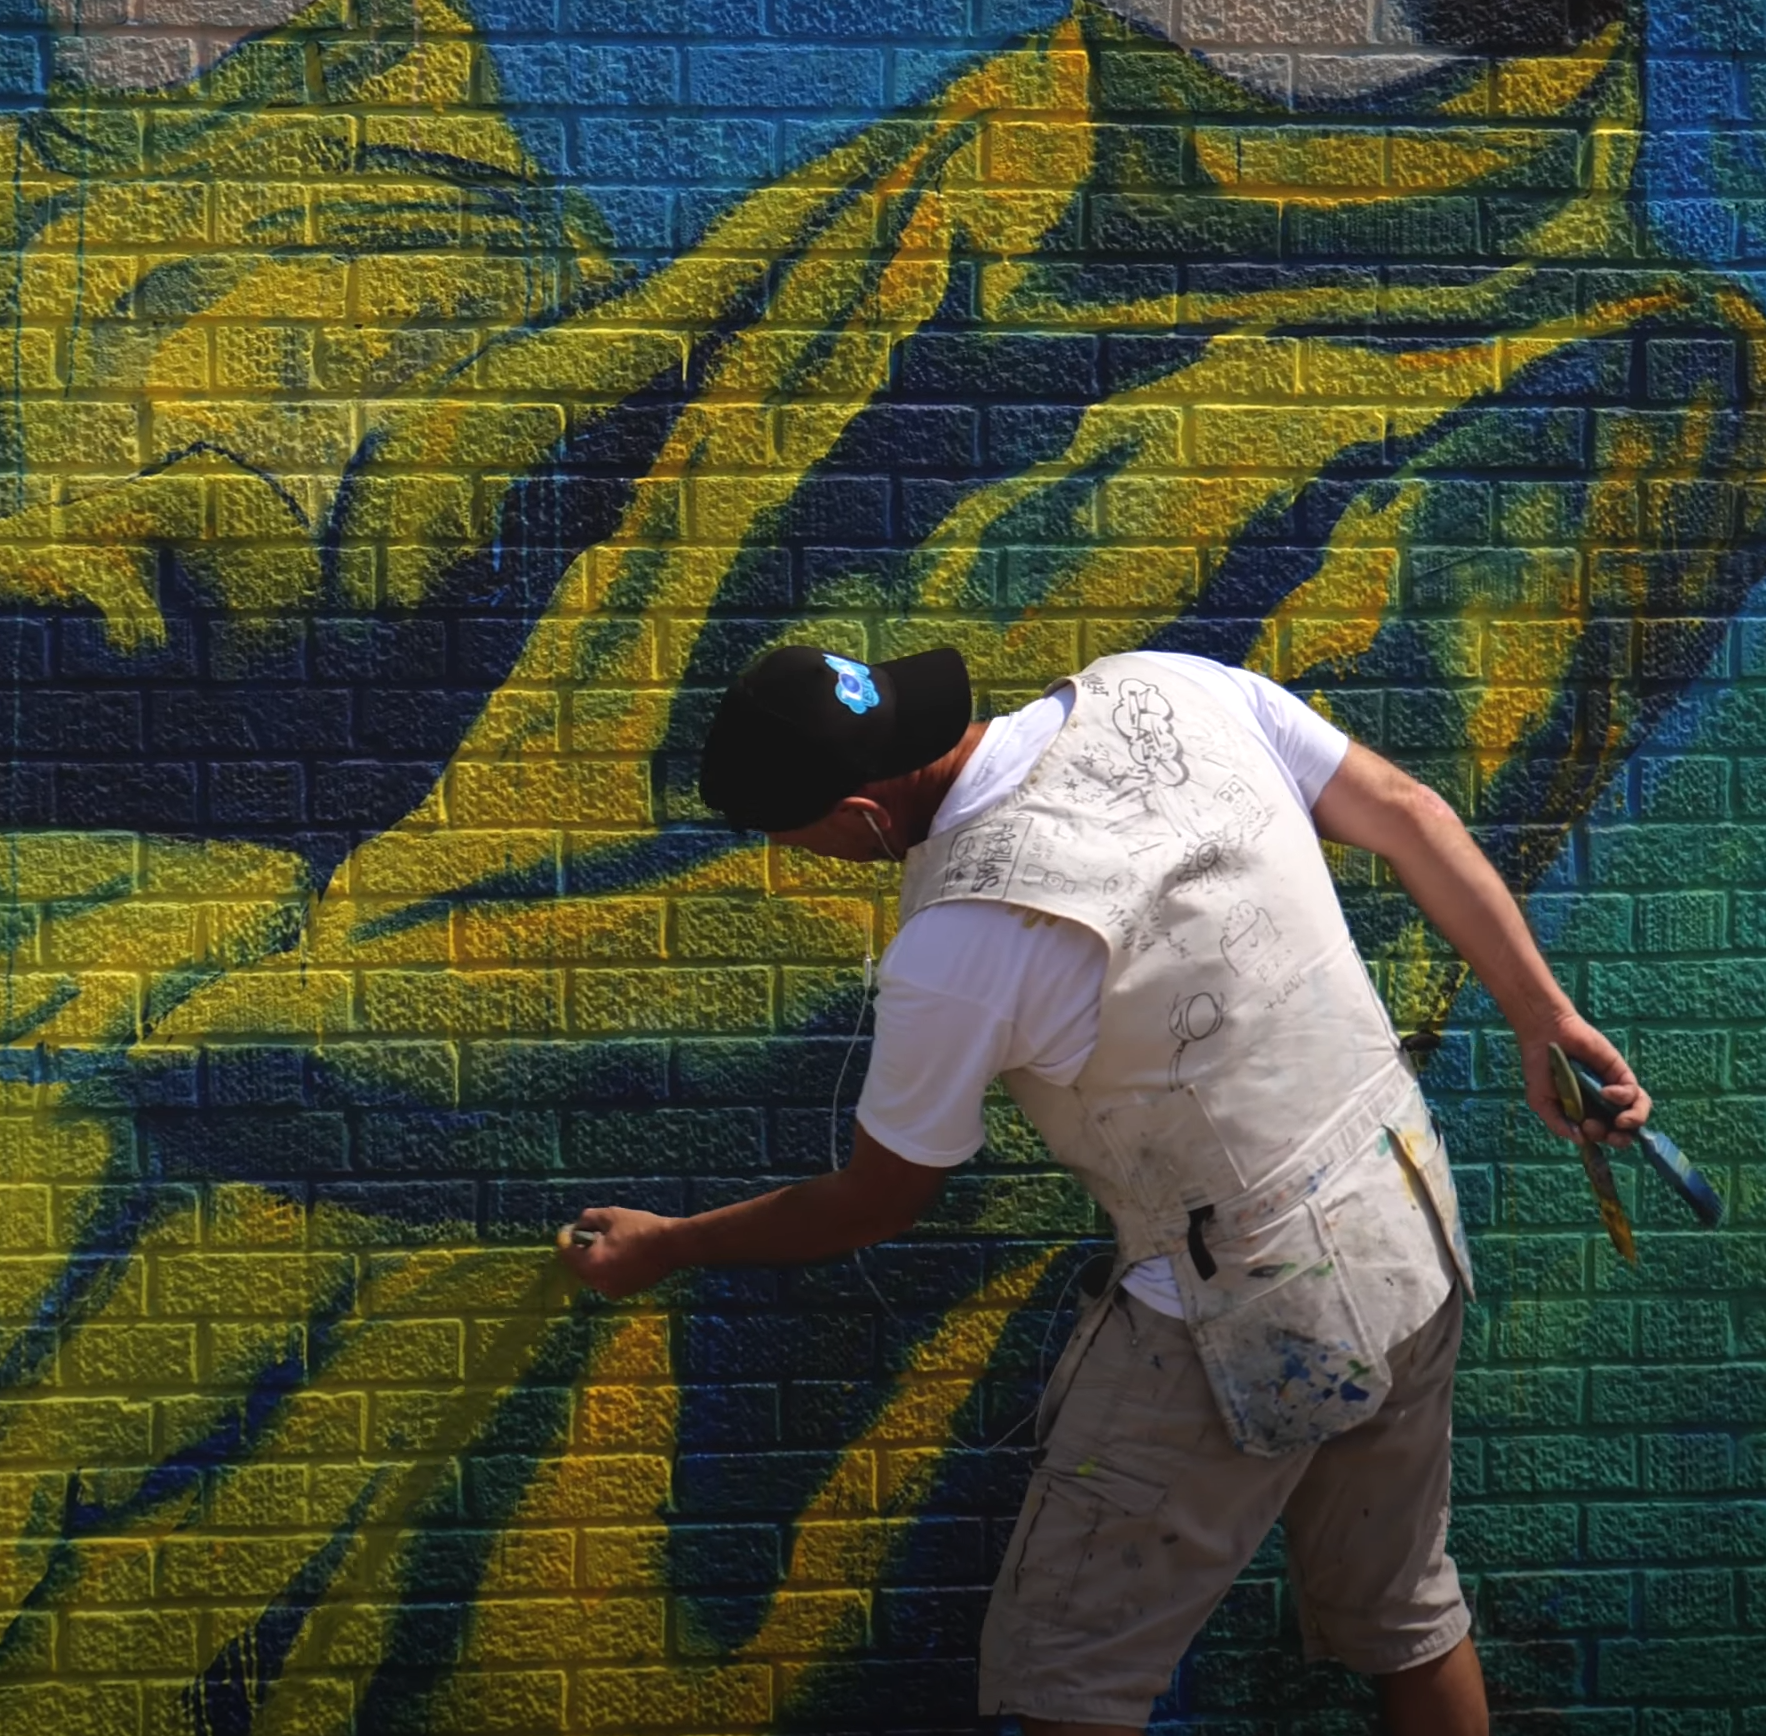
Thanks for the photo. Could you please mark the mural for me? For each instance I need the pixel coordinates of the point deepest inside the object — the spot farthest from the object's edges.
(415, 411)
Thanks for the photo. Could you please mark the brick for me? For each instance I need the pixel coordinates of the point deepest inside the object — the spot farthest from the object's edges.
(488, 1002)
(1182, 225)
(562, 931)
(1677, 1669)
(141, 1354)
(1549, 1672)
(524, 1071)
(1562, 1601)
(1689, 1599)
(259, 1496)
(541, 792)
(133, 1643)
(1714, 1393)
(1693, 1531)
(1561, 1464)
(1675, 1464)
(270, 1285)
(673, 1697)
(516, 1142)
(73, 1708)
(532, 1630)
(697, 1141)
(676, 999)
(798, 928)
(76, 1431)
(518, 1701)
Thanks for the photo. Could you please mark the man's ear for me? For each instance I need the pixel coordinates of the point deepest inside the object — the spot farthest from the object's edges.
(876, 820)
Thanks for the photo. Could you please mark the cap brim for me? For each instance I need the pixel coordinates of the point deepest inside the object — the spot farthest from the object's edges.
(933, 707)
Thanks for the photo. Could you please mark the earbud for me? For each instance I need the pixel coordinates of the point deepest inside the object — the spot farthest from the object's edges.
(871, 821)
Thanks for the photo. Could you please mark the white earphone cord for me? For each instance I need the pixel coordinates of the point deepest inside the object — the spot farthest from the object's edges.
(871, 821)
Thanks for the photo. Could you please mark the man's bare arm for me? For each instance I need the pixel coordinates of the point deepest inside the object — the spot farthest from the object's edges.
(1372, 804)
(876, 1196)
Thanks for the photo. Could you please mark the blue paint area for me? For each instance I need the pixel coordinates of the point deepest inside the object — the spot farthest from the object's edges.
(932, 1590)
(1702, 158)
(129, 1197)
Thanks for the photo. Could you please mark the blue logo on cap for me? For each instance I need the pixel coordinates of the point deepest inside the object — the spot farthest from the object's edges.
(853, 685)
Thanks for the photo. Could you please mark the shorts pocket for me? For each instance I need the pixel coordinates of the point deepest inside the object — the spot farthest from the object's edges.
(1122, 1491)
(1094, 1319)
(1077, 1514)
(1287, 1352)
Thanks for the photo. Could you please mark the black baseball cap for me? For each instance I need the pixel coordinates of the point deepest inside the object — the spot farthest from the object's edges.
(803, 728)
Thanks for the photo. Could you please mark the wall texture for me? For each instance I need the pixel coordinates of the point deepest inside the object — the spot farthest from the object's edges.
(414, 409)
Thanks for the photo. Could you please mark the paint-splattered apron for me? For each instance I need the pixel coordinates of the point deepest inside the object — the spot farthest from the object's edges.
(1247, 1110)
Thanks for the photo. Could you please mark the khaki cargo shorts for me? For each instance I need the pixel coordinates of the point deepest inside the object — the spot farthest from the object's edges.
(1142, 1513)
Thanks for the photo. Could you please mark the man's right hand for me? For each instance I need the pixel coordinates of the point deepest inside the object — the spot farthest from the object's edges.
(1582, 1042)
(632, 1251)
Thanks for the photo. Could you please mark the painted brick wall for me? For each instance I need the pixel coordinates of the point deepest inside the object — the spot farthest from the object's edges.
(417, 408)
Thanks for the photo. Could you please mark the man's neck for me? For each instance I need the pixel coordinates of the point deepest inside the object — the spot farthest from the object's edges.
(914, 800)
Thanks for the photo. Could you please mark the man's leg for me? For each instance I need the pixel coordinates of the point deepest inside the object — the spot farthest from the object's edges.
(1137, 1522)
(1442, 1697)
(1367, 1536)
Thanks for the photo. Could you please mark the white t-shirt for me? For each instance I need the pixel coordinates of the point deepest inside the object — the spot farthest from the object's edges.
(972, 989)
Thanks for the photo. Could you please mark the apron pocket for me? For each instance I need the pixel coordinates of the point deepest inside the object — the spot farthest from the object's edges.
(1287, 1353)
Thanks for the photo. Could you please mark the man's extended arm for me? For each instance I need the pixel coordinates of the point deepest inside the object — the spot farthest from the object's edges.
(876, 1196)
(1373, 805)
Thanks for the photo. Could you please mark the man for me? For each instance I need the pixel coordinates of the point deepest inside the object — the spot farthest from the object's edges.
(1116, 901)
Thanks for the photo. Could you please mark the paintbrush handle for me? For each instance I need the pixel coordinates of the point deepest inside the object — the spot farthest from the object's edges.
(1664, 1156)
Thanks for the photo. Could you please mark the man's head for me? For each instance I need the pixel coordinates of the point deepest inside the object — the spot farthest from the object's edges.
(803, 734)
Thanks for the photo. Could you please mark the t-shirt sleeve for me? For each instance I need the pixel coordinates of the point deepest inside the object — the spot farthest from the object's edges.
(969, 991)
(1310, 746)
(933, 1057)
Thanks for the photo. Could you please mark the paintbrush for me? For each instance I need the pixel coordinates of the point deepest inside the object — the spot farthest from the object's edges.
(1666, 1158)
(1594, 1161)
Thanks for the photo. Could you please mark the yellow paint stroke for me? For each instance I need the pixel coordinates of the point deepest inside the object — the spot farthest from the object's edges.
(162, 422)
(1544, 84)
(1334, 617)
(1149, 499)
(863, 1513)
(517, 1289)
(609, 1485)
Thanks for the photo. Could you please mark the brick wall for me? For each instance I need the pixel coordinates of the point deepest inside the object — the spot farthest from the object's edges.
(418, 408)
